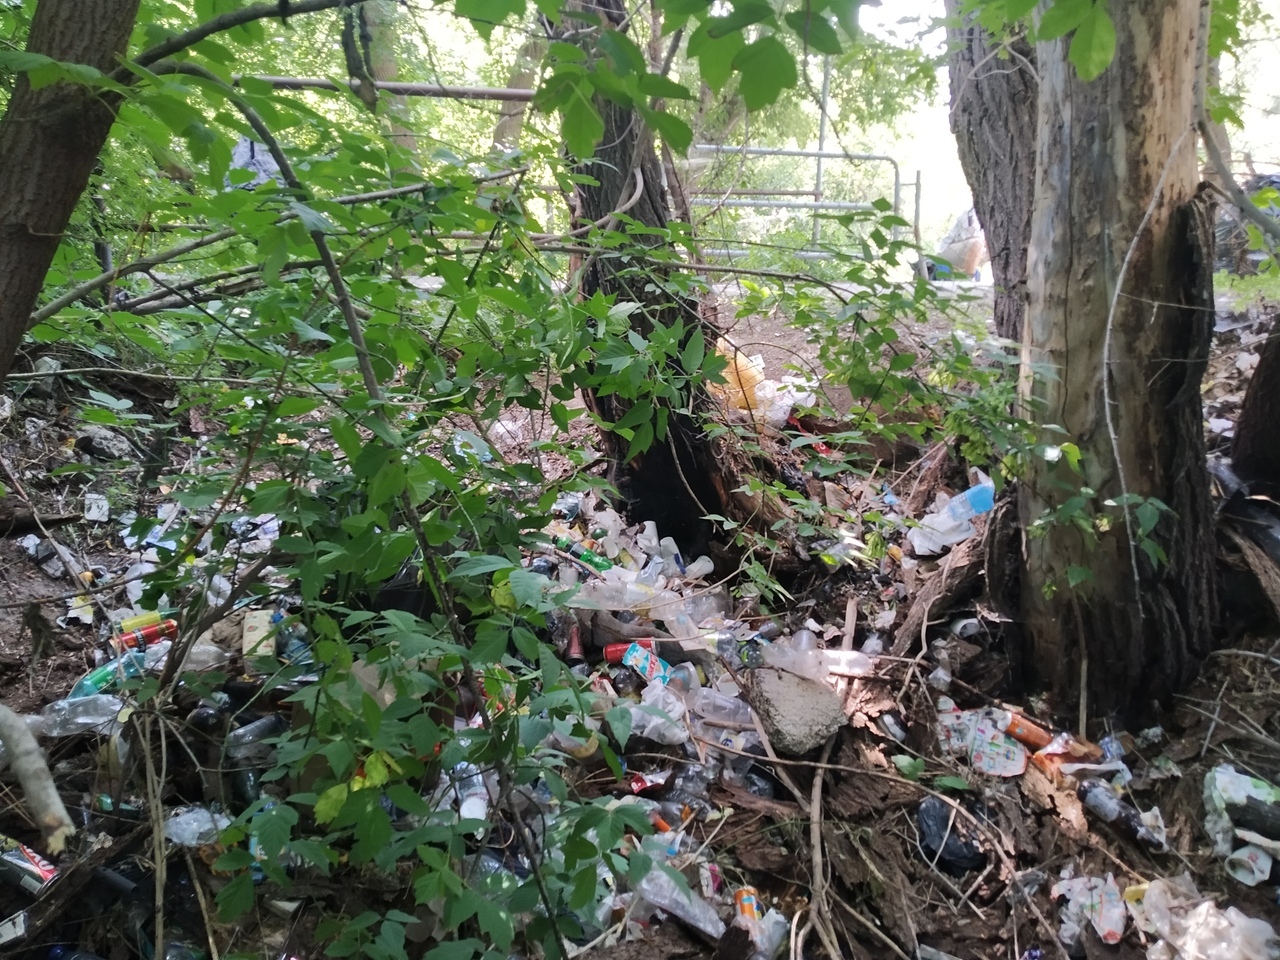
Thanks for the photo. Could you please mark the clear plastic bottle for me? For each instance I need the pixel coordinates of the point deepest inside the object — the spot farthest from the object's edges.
(471, 791)
(66, 953)
(659, 889)
(712, 705)
(97, 713)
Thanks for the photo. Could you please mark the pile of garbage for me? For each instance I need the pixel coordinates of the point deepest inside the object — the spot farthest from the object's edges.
(714, 713)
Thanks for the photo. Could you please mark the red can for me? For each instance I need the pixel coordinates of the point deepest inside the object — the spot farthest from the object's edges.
(614, 652)
(138, 639)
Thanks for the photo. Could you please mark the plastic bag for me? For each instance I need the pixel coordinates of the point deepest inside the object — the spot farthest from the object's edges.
(1192, 928)
(1094, 900)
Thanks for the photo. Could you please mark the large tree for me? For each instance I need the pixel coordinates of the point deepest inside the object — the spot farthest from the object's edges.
(1120, 311)
(993, 117)
(49, 144)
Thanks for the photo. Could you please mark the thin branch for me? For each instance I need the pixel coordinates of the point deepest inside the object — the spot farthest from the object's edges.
(146, 263)
(223, 23)
(397, 88)
(264, 134)
(1270, 226)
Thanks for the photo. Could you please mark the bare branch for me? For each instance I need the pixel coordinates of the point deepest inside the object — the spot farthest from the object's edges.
(138, 266)
(1270, 226)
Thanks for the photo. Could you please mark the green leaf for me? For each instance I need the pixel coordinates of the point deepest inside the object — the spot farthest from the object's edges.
(388, 482)
(313, 220)
(487, 14)
(620, 721)
(1077, 575)
(814, 30)
(455, 950)
(583, 126)
(627, 58)
(495, 923)
(694, 352)
(1148, 515)
(19, 61)
(1094, 44)
(110, 402)
(306, 333)
(745, 13)
(473, 566)
(656, 85)
(951, 783)
(767, 69)
(329, 803)
(909, 767)
(1017, 9)
(1063, 17)
(901, 361)
(671, 128)
(236, 898)
(715, 56)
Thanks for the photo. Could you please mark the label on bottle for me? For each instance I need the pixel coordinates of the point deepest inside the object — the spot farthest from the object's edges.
(21, 865)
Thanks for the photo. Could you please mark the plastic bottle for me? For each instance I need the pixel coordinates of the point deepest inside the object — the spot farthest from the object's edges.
(63, 718)
(473, 795)
(711, 705)
(112, 673)
(804, 639)
(659, 889)
(178, 950)
(66, 953)
(771, 933)
(589, 557)
(242, 739)
(1098, 796)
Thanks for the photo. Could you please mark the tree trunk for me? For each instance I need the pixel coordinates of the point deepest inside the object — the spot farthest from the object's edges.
(993, 117)
(1255, 453)
(49, 144)
(1116, 161)
(379, 20)
(682, 477)
(523, 76)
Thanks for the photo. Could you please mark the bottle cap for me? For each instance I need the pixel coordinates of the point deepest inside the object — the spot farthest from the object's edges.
(473, 808)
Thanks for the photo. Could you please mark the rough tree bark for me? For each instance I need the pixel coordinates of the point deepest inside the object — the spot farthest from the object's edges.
(1120, 305)
(993, 117)
(1255, 453)
(684, 477)
(49, 144)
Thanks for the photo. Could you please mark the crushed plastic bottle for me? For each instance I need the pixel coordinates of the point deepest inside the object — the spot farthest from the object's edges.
(65, 718)
(1098, 796)
(659, 889)
(195, 826)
